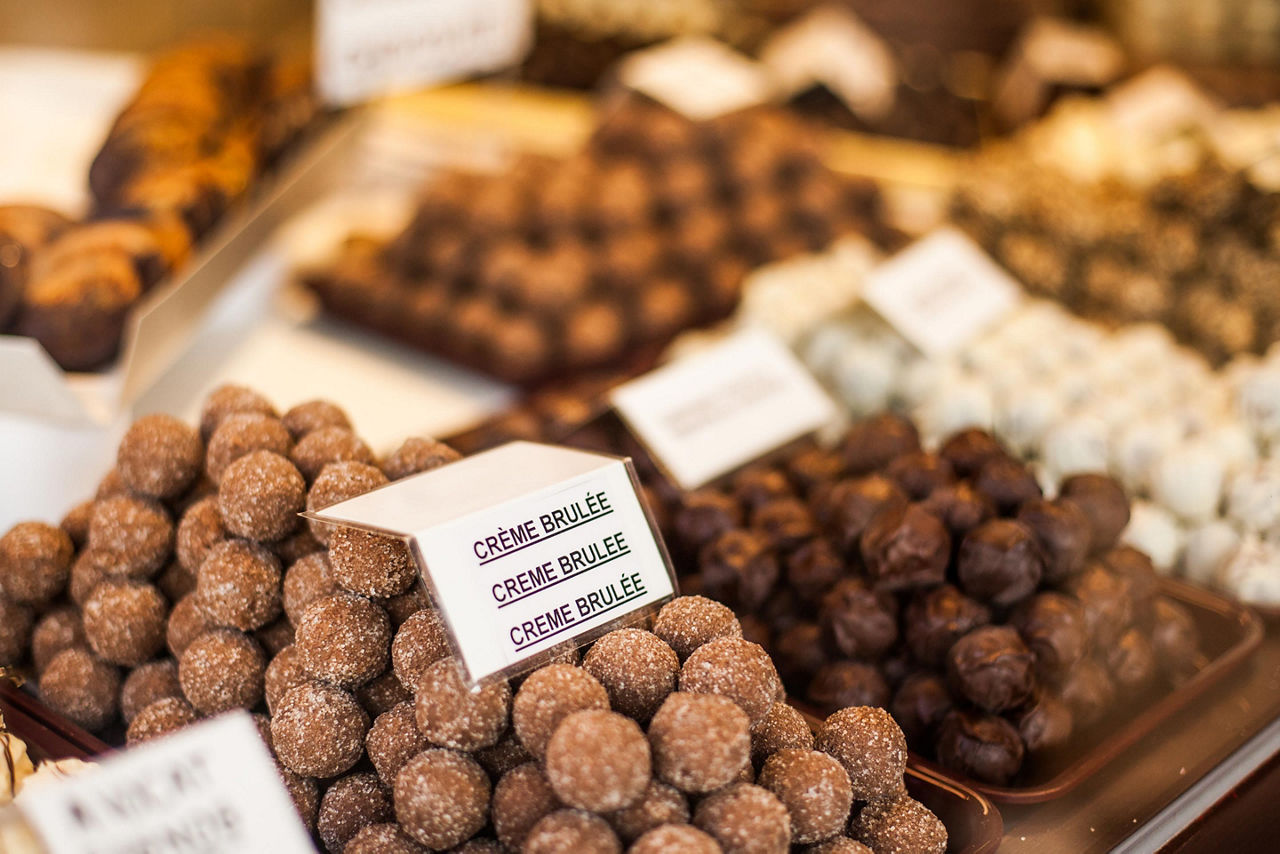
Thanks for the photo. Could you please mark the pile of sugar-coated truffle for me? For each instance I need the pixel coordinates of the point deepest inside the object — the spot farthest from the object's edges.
(562, 265)
(189, 586)
(207, 119)
(991, 620)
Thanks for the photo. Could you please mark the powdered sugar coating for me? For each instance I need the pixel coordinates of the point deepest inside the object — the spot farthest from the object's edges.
(735, 668)
(451, 715)
(312, 415)
(166, 715)
(688, 622)
(839, 845)
(199, 530)
(660, 804)
(124, 621)
(548, 696)
(783, 727)
(814, 788)
(520, 800)
(229, 400)
(636, 667)
(383, 839)
(700, 742)
(35, 562)
(745, 819)
(153, 681)
(441, 798)
(222, 670)
(870, 745)
(598, 760)
(393, 740)
(274, 636)
(675, 839)
(381, 693)
(417, 455)
(305, 793)
(159, 456)
(508, 753)
(328, 445)
(260, 496)
(571, 830)
(241, 434)
(78, 685)
(371, 564)
(238, 585)
(337, 482)
(57, 630)
(419, 643)
(186, 623)
(318, 730)
(132, 536)
(285, 671)
(901, 825)
(307, 580)
(349, 805)
(344, 639)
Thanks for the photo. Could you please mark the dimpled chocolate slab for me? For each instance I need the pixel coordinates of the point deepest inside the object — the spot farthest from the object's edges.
(814, 788)
(159, 456)
(78, 685)
(675, 839)
(871, 747)
(688, 622)
(451, 715)
(318, 730)
(442, 798)
(636, 667)
(350, 804)
(548, 696)
(700, 742)
(598, 760)
(745, 819)
(344, 639)
(900, 826)
(572, 830)
(222, 669)
(520, 800)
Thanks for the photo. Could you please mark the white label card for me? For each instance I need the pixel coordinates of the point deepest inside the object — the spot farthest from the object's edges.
(718, 409)
(941, 292)
(525, 547)
(366, 48)
(212, 788)
(697, 76)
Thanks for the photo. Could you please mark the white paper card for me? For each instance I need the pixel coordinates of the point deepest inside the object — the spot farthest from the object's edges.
(697, 76)
(212, 788)
(525, 547)
(717, 410)
(1159, 102)
(942, 292)
(371, 47)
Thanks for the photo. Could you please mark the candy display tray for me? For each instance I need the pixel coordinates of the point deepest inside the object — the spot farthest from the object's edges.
(47, 734)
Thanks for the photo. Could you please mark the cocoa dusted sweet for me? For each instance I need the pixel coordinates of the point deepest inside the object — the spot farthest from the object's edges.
(870, 746)
(451, 715)
(838, 845)
(238, 585)
(1063, 533)
(783, 727)
(222, 669)
(186, 623)
(745, 818)
(442, 798)
(260, 496)
(393, 740)
(420, 641)
(381, 693)
(416, 455)
(164, 716)
(935, 619)
(57, 630)
(312, 415)
(306, 580)
(241, 434)
(521, 798)
(152, 681)
(503, 756)
(131, 536)
(704, 515)
(571, 830)
(700, 742)
(598, 760)
(636, 667)
(814, 788)
(547, 697)
(985, 747)
(688, 622)
(992, 668)
(305, 794)
(739, 567)
(1000, 562)
(872, 444)
(857, 621)
(337, 482)
(848, 683)
(675, 839)
(371, 564)
(199, 530)
(327, 445)
(905, 547)
(660, 804)
(81, 687)
(159, 456)
(1103, 502)
(344, 639)
(229, 400)
(15, 632)
(919, 705)
(285, 671)
(318, 730)
(1053, 627)
(735, 668)
(900, 826)
(124, 621)
(349, 805)
(386, 838)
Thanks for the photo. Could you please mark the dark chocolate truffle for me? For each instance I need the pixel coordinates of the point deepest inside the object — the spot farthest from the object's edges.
(688, 622)
(81, 687)
(222, 670)
(857, 621)
(349, 805)
(745, 819)
(451, 715)
(959, 506)
(393, 740)
(700, 741)
(1104, 504)
(598, 760)
(1107, 602)
(1088, 691)
(1007, 484)
(318, 730)
(870, 746)
(919, 473)
(1045, 722)
(847, 683)
(166, 715)
(812, 568)
(872, 444)
(739, 568)
(520, 800)
(371, 564)
(636, 667)
(1053, 627)
(260, 496)
(442, 798)
(704, 515)
(547, 697)
(992, 668)
(344, 639)
(1000, 562)
(849, 506)
(1139, 573)
(1174, 637)
(985, 747)
(1131, 661)
(969, 450)
(1062, 531)
(785, 523)
(905, 547)
(735, 668)
(900, 826)
(159, 456)
(239, 585)
(919, 705)
(131, 536)
(936, 619)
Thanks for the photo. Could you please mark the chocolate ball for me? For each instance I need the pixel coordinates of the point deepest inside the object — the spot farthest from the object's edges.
(175, 582)
(919, 473)
(919, 705)
(15, 632)
(222, 669)
(520, 800)
(959, 506)
(660, 804)
(243, 434)
(992, 668)
(382, 693)
(1045, 722)
(503, 756)
(393, 740)
(571, 830)
(785, 523)
(451, 715)
(1175, 639)
(349, 805)
(745, 818)
(336, 483)
(308, 579)
(385, 838)
(813, 568)
(847, 683)
(260, 496)
(755, 487)
(870, 746)
(57, 630)
(305, 794)
(199, 531)
(285, 671)
(900, 826)
(636, 667)
(228, 400)
(738, 567)
(1000, 562)
(371, 564)
(164, 716)
(838, 845)
(598, 760)
(1107, 601)
(318, 730)
(799, 652)
(238, 586)
(1088, 691)
(159, 456)
(312, 415)
(1007, 484)
(1131, 660)
(734, 668)
(417, 455)
(857, 621)
(1053, 627)
(401, 608)
(675, 839)
(814, 788)
(547, 697)
(132, 537)
(76, 523)
(1103, 502)
(420, 642)
(186, 623)
(344, 639)
(905, 547)
(1139, 573)
(699, 741)
(328, 445)
(969, 450)
(124, 621)
(872, 444)
(688, 622)
(153, 681)
(848, 508)
(813, 466)
(782, 728)
(1063, 534)
(442, 798)
(936, 619)
(79, 686)
(984, 747)
(704, 515)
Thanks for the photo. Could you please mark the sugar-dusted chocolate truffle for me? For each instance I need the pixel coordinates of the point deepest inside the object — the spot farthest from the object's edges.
(636, 667)
(306, 580)
(165, 715)
(222, 669)
(393, 740)
(275, 636)
(571, 830)
(919, 473)
(1104, 504)
(1000, 562)
(15, 632)
(419, 642)
(350, 804)
(416, 455)
(260, 496)
(76, 523)
(783, 727)
(1107, 601)
(598, 760)
(124, 621)
(1131, 660)
(318, 730)
(386, 838)
(813, 787)
(857, 621)
(900, 826)
(88, 570)
(305, 794)
(847, 683)
(799, 652)
(241, 434)
(872, 444)
(1006, 483)
(660, 804)
(547, 697)
(238, 585)
(985, 747)
(969, 450)
(1044, 722)
(700, 741)
(688, 622)
(344, 639)
(734, 668)
(451, 715)
(870, 746)
(371, 564)
(81, 687)
(745, 819)
(400, 608)
(812, 568)
(919, 705)
(382, 693)
(785, 523)
(186, 623)
(1174, 637)
(338, 482)
(1089, 692)
(739, 567)
(905, 547)
(328, 445)
(175, 582)
(1063, 534)
(675, 838)
(520, 800)
(132, 536)
(199, 531)
(152, 681)
(838, 845)
(442, 798)
(229, 400)
(936, 619)
(312, 415)
(849, 506)
(296, 546)
(992, 668)
(285, 671)
(1053, 627)
(704, 515)
(503, 756)
(159, 456)
(57, 630)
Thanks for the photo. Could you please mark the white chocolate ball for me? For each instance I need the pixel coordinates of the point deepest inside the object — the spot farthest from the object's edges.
(1076, 446)
(1253, 574)
(1253, 497)
(1209, 546)
(1188, 480)
(1154, 530)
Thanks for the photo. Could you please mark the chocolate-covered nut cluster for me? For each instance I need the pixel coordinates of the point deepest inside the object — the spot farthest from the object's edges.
(992, 621)
(206, 121)
(564, 265)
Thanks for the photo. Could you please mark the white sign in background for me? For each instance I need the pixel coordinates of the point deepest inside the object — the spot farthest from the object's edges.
(525, 547)
(366, 48)
(941, 292)
(717, 410)
(212, 788)
(697, 76)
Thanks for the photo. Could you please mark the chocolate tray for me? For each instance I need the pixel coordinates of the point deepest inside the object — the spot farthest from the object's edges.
(1229, 634)
(47, 734)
